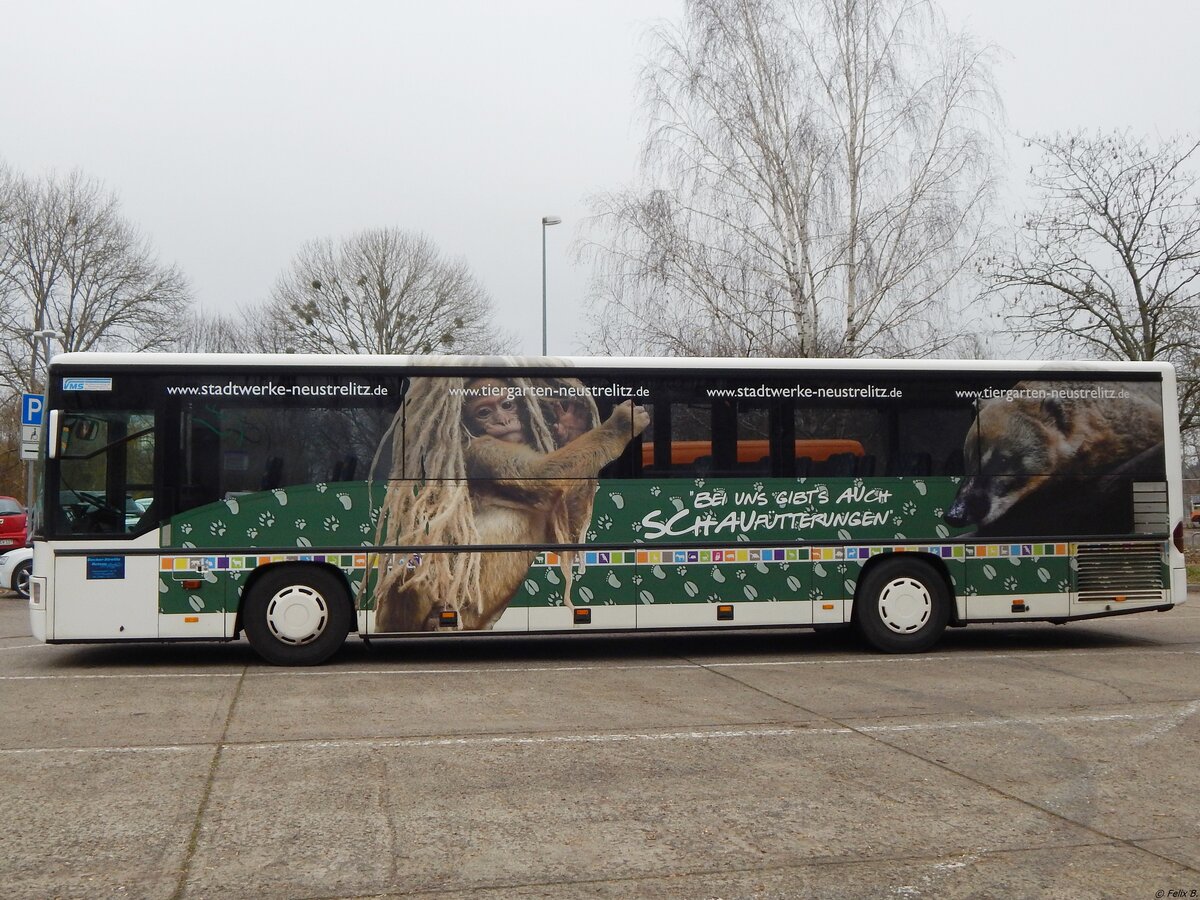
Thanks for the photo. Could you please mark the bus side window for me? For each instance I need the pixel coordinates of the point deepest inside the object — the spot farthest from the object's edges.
(693, 435)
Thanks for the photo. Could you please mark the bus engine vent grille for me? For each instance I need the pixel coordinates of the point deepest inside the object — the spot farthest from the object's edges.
(1150, 510)
(1120, 572)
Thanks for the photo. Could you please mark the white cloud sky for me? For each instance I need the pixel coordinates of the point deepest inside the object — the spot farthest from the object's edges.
(234, 132)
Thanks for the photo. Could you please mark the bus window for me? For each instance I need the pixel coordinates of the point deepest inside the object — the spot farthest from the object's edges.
(107, 466)
(693, 435)
(840, 441)
(678, 443)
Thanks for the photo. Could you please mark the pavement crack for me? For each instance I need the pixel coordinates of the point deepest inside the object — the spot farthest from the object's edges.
(185, 868)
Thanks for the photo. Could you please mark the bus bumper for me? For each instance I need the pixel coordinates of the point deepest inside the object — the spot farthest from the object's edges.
(37, 608)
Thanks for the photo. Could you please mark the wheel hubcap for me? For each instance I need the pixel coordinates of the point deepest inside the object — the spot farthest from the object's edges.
(905, 605)
(23, 582)
(297, 614)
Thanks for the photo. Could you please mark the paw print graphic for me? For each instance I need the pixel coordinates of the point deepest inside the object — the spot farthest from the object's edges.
(374, 514)
(186, 528)
(699, 482)
(637, 526)
(938, 512)
(909, 508)
(655, 491)
(858, 482)
(235, 576)
(301, 524)
(713, 598)
(758, 486)
(682, 570)
(266, 520)
(322, 487)
(741, 574)
(1010, 584)
(217, 528)
(897, 521)
(604, 523)
(592, 535)
(252, 533)
(331, 523)
(364, 528)
(1064, 586)
(637, 579)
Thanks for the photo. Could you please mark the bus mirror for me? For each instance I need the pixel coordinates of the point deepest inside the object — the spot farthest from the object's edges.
(84, 429)
(54, 436)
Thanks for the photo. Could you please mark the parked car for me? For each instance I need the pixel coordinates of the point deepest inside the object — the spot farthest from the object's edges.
(15, 568)
(13, 524)
(92, 510)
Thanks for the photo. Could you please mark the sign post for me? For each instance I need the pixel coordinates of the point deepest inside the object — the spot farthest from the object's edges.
(31, 424)
(32, 407)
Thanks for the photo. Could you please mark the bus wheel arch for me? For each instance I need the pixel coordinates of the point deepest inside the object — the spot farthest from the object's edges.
(903, 602)
(296, 614)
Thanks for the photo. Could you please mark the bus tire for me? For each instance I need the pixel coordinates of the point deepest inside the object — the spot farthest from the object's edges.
(297, 615)
(902, 606)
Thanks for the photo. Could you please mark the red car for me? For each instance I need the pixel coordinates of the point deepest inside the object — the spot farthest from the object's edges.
(12, 524)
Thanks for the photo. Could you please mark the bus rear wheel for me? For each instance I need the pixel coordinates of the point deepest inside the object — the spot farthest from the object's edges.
(902, 606)
(297, 616)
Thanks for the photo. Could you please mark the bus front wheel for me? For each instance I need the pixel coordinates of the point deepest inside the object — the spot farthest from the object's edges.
(297, 616)
(902, 606)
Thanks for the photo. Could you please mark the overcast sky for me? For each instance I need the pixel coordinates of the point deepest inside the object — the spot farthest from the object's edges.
(234, 132)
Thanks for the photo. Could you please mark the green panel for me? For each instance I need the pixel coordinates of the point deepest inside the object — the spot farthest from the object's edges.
(1034, 572)
(314, 515)
(596, 583)
(723, 582)
(212, 596)
(724, 511)
(711, 518)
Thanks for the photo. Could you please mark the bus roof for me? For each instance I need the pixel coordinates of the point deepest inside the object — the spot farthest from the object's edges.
(103, 360)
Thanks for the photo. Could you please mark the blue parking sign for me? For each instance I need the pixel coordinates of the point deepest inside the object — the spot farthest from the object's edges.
(31, 409)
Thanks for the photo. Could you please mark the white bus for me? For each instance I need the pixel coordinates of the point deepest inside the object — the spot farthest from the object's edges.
(299, 499)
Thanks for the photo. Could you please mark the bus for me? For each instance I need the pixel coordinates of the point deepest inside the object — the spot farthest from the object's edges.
(299, 499)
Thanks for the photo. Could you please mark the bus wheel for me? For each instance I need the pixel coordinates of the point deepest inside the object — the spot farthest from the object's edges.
(297, 616)
(902, 606)
(20, 579)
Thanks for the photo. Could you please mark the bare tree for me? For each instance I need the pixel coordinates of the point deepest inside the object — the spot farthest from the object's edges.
(383, 290)
(1107, 264)
(70, 263)
(816, 177)
(253, 330)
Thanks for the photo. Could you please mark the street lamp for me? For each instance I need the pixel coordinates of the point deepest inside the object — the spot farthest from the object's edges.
(546, 220)
(45, 335)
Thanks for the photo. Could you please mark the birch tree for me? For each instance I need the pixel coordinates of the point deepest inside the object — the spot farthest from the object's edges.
(383, 290)
(814, 181)
(1106, 264)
